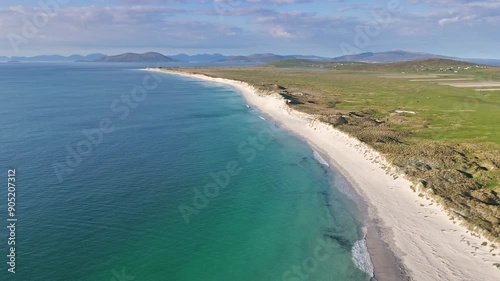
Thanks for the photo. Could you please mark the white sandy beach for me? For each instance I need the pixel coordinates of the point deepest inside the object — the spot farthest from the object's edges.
(420, 233)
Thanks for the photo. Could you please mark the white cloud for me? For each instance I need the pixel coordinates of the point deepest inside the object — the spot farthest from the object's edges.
(280, 32)
(448, 20)
(249, 23)
(465, 19)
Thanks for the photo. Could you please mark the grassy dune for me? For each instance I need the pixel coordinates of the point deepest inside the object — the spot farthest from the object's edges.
(446, 139)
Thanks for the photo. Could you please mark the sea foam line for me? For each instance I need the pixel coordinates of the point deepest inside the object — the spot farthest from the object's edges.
(320, 159)
(361, 257)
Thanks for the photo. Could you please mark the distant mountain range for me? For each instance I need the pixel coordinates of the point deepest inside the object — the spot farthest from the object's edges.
(255, 58)
(55, 58)
(484, 61)
(199, 57)
(382, 57)
(133, 57)
(390, 56)
(368, 57)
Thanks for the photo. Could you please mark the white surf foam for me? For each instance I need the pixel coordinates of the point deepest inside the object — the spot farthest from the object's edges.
(361, 257)
(320, 159)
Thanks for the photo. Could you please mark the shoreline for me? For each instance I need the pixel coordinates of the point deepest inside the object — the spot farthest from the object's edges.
(385, 264)
(418, 232)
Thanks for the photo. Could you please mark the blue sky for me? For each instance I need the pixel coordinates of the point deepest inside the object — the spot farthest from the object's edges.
(461, 28)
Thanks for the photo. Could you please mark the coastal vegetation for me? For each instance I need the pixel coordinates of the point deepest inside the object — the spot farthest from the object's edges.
(436, 120)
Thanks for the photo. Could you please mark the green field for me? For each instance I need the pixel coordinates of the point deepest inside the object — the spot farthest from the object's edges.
(448, 140)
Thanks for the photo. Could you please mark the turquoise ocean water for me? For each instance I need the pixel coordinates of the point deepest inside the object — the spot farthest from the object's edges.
(124, 175)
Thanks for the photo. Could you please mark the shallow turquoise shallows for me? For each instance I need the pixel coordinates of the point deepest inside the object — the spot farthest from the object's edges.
(125, 175)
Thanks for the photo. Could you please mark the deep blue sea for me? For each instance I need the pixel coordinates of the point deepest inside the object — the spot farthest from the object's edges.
(124, 175)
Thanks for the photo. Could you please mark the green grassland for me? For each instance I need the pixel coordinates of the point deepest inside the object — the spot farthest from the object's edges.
(448, 142)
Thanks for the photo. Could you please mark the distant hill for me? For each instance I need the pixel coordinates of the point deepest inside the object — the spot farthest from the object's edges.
(368, 57)
(307, 63)
(54, 58)
(134, 57)
(257, 58)
(199, 57)
(389, 56)
(85, 58)
(483, 61)
(429, 65)
(312, 58)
